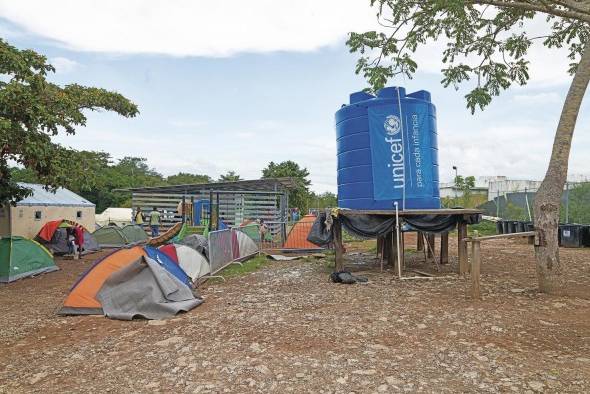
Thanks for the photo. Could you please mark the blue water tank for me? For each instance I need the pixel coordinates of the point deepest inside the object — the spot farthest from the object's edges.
(387, 151)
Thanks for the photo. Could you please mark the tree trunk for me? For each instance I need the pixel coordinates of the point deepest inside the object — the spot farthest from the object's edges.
(548, 197)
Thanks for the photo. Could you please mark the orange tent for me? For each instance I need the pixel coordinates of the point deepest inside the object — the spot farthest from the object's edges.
(82, 298)
(297, 238)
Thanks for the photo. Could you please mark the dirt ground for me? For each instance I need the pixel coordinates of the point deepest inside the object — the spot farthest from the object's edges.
(286, 328)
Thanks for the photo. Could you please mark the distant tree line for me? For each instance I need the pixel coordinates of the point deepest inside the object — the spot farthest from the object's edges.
(102, 175)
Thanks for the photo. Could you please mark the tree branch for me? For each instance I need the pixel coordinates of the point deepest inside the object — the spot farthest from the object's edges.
(521, 5)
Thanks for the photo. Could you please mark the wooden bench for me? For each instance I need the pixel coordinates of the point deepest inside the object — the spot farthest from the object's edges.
(476, 241)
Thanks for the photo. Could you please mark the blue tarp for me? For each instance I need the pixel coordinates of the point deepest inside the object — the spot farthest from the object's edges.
(168, 264)
(401, 149)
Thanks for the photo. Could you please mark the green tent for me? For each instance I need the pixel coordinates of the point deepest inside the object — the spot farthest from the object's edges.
(21, 257)
(110, 237)
(134, 233)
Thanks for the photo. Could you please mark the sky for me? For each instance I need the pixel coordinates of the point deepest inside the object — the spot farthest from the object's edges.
(234, 85)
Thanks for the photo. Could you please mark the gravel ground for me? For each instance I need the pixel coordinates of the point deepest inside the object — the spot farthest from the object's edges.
(285, 328)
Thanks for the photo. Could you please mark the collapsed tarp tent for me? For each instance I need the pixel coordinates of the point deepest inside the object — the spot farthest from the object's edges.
(110, 237)
(144, 288)
(168, 263)
(193, 263)
(82, 299)
(53, 235)
(297, 238)
(21, 257)
(134, 233)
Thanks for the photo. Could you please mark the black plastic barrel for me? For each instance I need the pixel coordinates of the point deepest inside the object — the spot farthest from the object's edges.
(586, 235)
(499, 227)
(511, 227)
(505, 227)
(519, 227)
(572, 235)
(528, 226)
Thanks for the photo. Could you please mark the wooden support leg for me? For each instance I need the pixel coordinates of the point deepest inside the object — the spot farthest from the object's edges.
(475, 267)
(392, 257)
(444, 248)
(462, 247)
(338, 246)
(430, 248)
(420, 241)
(380, 247)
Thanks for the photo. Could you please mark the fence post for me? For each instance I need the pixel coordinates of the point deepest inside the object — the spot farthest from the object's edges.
(567, 202)
(462, 246)
(475, 267)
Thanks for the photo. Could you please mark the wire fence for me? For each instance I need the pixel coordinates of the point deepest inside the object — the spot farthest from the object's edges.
(518, 204)
(230, 245)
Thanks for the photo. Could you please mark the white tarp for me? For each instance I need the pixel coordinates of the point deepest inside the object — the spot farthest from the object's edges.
(193, 263)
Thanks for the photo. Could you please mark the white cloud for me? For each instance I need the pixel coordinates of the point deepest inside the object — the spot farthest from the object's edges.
(538, 98)
(187, 124)
(225, 28)
(63, 65)
(187, 27)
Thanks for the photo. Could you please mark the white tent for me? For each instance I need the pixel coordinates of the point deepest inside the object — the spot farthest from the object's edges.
(247, 245)
(193, 263)
(118, 216)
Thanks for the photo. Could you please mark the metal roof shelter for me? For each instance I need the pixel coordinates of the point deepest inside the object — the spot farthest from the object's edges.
(29, 215)
(62, 197)
(264, 184)
(235, 201)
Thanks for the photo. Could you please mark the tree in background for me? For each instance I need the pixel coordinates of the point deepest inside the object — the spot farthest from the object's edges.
(299, 196)
(100, 177)
(514, 212)
(465, 185)
(231, 176)
(487, 41)
(32, 110)
(578, 204)
(322, 200)
(183, 178)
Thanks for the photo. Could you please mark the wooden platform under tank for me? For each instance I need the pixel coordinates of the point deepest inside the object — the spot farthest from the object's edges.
(444, 247)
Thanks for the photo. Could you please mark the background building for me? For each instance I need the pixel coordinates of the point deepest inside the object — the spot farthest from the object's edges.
(29, 215)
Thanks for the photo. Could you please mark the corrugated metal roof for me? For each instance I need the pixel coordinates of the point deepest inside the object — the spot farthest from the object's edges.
(263, 184)
(61, 197)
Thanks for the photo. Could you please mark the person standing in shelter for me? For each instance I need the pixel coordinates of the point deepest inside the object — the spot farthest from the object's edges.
(79, 239)
(155, 222)
(262, 229)
(138, 219)
(71, 237)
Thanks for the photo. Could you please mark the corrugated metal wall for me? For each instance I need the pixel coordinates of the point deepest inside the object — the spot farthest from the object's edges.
(234, 207)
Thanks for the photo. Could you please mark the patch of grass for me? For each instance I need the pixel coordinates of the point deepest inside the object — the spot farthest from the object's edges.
(235, 270)
(347, 237)
(485, 227)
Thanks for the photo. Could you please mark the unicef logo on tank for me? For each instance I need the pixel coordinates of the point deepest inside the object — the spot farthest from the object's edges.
(392, 124)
